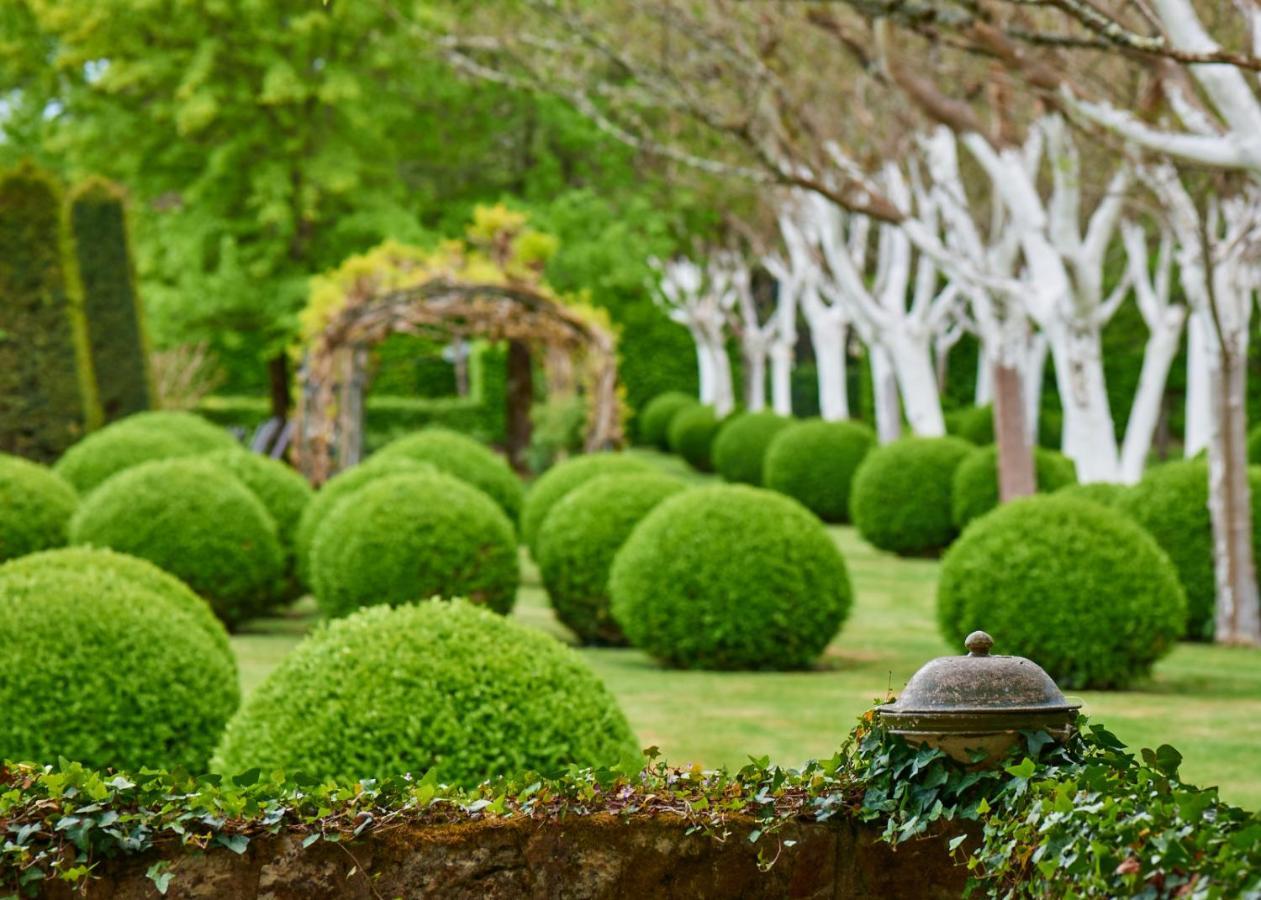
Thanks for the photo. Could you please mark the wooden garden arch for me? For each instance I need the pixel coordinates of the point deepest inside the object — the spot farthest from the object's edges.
(581, 353)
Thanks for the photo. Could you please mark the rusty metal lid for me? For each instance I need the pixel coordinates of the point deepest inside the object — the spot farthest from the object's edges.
(979, 690)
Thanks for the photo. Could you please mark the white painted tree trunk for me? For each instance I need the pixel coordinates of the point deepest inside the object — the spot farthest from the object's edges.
(911, 357)
(884, 386)
(1162, 347)
(755, 354)
(1089, 438)
(704, 367)
(723, 397)
(984, 379)
(781, 355)
(1199, 397)
(1033, 372)
(828, 333)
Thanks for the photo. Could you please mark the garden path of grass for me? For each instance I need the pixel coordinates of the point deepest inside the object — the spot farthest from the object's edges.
(1204, 700)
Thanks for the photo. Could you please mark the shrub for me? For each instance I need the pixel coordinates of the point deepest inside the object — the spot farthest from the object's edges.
(435, 686)
(197, 522)
(1171, 502)
(974, 490)
(692, 432)
(138, 439)
(338, 488)
(739, 450)
(411, 537)
(104, 671)
(655, 418)
(1078, 588)
(558, 481)
(111, 303)
(580, 537)
(136, 572)
(1102, 492)
(900, 498)
(976, 425)
(35, 507)
(47, 392)
(467, 460)
(282, 491)
(814, 463)
(730, 577)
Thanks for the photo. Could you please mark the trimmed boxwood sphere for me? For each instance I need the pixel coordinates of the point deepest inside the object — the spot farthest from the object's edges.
(739, 450)
(559, 480)
(35, 507)
(1171, 502)
(411, 537)
(437, 685)
(102, 670)
(140, 573)
(814, 463)
(580, 537)
(1078, 588)
(730, 577)
(901, 495)
(282, 491)
(1103, 492)
(976, 424)
(692, 433)
(338, 488)
(975, 488)
(193, 519)
(137, 439)
(466, 459)
(654, 420)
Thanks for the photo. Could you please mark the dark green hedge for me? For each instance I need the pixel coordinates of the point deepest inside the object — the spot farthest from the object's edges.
(48, 394)
(111, 303)
(556, 482)
(739, 450)
(1078, 588)
(692, 433)
(814, 463)
(35, 507)
(435, 686)
(975, 488)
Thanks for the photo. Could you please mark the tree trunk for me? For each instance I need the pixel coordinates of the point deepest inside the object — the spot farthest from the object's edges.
(827, 336)
(913, 367)
(278, 380)
(704, 367)
(781, 377)
(1032, 376)
(1162, 347)
(755, 377)
(885, 388)
(984, 383)
(724, 399)
(1238, 618)
(1199, 399)
(520, 397)
(1089, 436)
(1016, 476)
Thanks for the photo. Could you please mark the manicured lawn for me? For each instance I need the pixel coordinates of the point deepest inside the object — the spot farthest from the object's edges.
(1204, 700)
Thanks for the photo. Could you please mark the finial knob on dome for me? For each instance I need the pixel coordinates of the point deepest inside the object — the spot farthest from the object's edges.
(978, 643)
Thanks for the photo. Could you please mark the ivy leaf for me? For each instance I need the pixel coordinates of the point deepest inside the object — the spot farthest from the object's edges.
(1024, 769)
(237, 843)
(160, 874)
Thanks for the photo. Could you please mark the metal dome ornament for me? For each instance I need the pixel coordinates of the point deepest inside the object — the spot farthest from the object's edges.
(978, 704)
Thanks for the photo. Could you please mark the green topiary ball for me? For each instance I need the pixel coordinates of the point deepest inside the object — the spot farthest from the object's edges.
(336, 489)
(1101, 492)
(730, 577)
(739, 450)
(105, 453)
(282, 491)
(655, 418)
(466, 459)
(900, 498)
(193, 519)
(1171, 502)
(35, 507)
(411, 537)
(580, 537)
(692, 433)
(437, 685)
(1078, 588)
(136, 572)
(814, 463)
(198, 434)
(974, 491)
(101, 670)
(559, 480)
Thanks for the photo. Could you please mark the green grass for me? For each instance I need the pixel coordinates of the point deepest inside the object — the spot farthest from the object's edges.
(1204, 700)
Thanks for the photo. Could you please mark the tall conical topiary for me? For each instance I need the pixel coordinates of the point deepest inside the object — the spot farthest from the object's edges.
(111, 303)
(47, 390)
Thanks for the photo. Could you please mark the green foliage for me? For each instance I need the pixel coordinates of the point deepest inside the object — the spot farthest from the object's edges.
(338, 488)
(655, 418)
(692, 432)
(1102, 492)
(730, 577)
(976, 425)
(814, 463)
(974, 491)
(739, 450)
(47, 392)
(900, 497)
(196, 521)
(438, 686)
(557, 430)
(103, 670)
(111, 303)
(282, 491)
(137, 573)
(411, 537)
(467, 460)
(1076, 587)
(558, 481)
(1171, 502)
(1254, 446)
(35, 507)
(579, 539)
